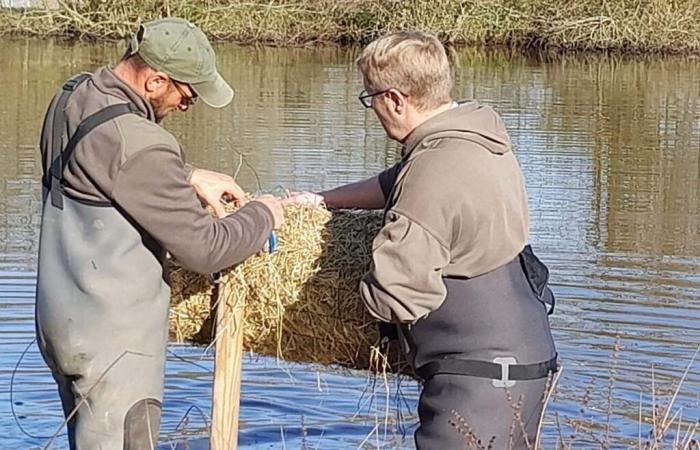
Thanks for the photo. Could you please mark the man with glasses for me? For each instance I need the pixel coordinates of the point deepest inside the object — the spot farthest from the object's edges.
(117, 196)
(451, 265)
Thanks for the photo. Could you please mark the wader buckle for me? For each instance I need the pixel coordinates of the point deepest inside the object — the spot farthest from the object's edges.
(503, 371)
(505, 363)
(71, 84)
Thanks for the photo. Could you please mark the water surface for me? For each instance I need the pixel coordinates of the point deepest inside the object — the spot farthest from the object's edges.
(610, 149)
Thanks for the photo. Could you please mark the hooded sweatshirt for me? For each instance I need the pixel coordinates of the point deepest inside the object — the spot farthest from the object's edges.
(456, 207)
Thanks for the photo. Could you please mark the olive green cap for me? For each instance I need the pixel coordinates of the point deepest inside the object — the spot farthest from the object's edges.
(178, 48)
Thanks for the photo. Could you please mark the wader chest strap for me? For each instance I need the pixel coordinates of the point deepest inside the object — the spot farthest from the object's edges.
(485, 369)
(59, 157)
(53, 175)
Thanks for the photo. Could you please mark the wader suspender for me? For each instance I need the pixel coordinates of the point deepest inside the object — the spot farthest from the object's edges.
(59, 155)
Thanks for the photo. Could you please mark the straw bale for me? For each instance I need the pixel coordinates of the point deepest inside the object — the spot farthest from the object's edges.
(302, 301)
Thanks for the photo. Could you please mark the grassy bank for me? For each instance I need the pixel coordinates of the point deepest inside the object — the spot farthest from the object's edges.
(670, 26)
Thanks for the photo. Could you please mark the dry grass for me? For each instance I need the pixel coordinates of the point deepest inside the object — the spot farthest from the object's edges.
(610, 25)
(302, 301)
(661, 423)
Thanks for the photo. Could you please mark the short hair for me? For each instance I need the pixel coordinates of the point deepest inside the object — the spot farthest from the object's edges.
(134, 60)
(412, 62)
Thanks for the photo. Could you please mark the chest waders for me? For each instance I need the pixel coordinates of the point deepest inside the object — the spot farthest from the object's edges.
(484, 357)
(102, 305)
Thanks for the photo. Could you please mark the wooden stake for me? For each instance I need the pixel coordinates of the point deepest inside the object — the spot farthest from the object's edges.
(226, 395)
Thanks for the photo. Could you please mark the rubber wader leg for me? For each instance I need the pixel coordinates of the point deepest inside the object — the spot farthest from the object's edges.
(141, 425)
(122, 406)
(67, 402)
(462, 412)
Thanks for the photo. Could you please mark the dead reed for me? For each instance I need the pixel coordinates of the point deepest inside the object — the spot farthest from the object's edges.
(598, 25)
(663, 420)
(302, 301)
(661, 423)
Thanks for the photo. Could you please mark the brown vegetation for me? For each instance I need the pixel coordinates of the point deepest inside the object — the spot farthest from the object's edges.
(610, 25)
(302, 301)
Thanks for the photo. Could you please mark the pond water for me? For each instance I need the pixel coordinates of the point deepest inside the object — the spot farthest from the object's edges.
(610, 149)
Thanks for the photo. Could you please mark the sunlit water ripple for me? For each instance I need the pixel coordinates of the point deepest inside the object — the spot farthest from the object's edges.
(610, 152)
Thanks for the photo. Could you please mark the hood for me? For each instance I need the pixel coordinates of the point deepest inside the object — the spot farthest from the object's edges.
(469, 121)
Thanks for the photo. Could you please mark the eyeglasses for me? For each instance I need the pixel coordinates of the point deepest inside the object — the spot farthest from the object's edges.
(187, 100)
(366, 98)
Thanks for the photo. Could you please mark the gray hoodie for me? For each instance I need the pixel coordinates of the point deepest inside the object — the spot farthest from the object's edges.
(456, 207)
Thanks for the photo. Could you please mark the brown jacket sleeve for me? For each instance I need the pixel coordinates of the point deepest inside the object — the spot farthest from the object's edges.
(414, 245)
(405, 281)
(152, 188)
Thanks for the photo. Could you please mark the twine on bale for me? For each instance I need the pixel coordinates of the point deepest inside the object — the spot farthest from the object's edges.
(302, 301)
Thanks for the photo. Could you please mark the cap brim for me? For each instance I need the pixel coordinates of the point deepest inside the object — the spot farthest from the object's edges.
(216, 93)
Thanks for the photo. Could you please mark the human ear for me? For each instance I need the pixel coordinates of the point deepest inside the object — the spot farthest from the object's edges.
(156, 82)
(397, 100)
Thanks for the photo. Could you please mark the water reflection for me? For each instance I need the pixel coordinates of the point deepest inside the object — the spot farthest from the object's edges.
(611, 154)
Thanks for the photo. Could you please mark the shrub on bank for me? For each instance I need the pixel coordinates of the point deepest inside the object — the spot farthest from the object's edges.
(617, 25)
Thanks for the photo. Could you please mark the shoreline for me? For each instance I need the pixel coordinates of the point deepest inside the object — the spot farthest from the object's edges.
(601, 26)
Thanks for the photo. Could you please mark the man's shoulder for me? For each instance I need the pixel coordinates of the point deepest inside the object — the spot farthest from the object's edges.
(139, 133)
(439, 157)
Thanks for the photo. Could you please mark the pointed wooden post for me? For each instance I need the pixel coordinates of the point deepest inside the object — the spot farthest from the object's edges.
(226, 395)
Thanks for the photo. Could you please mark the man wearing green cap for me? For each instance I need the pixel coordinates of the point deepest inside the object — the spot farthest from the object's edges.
(117, 196)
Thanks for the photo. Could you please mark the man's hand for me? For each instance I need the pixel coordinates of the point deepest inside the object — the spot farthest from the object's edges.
(213, 186)
(304, 198)
(275, 206)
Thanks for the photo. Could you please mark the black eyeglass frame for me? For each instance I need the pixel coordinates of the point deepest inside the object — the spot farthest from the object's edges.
(364, 96)
(187, 100)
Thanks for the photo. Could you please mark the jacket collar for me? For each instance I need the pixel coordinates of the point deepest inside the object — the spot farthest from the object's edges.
(108, 82)
(466, 120)
(434, 125)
